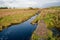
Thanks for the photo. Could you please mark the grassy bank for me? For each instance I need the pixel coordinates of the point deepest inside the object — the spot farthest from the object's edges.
(14, 16)
(51, 17)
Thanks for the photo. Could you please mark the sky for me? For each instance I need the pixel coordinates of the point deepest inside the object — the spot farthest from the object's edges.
(25, 3)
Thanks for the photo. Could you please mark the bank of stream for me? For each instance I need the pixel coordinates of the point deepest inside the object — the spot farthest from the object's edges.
(21, 31)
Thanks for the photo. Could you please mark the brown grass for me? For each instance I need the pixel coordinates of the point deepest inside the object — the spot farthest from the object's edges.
(14, 16)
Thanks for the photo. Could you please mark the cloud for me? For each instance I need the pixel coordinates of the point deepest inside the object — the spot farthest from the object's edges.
(17, 3)
(42, 2)
(25, 3)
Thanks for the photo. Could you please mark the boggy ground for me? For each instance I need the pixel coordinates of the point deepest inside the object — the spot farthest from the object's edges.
(51, 18)
(10, 17)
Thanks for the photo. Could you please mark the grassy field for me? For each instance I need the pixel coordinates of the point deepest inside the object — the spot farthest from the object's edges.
(51, 17)
(14, 16)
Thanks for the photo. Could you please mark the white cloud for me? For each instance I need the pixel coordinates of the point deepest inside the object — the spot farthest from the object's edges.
(18, 3)
(25, 3)
(42, 2)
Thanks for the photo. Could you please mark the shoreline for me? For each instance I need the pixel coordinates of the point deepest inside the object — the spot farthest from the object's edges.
(9, 17)
(17, 22)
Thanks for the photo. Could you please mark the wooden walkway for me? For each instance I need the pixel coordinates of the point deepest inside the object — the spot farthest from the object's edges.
(41, 30)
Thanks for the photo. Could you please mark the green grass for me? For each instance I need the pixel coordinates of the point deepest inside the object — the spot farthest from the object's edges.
(51, 17)
(35, 37)
(15, 17)
(48, 37)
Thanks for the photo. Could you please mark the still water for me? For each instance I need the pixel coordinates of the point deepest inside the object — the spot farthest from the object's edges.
(21, 31)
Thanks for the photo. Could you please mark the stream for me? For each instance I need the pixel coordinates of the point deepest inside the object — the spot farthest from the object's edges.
(21, 31)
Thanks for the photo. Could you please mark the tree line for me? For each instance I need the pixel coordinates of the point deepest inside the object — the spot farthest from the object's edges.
(3, 7)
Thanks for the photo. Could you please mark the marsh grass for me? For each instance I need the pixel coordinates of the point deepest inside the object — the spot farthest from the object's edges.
(10, 17)
(51, 17)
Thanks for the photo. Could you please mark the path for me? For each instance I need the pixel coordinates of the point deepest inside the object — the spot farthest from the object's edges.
(41, 30)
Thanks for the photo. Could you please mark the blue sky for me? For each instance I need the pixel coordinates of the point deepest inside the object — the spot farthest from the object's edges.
(25, 3)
